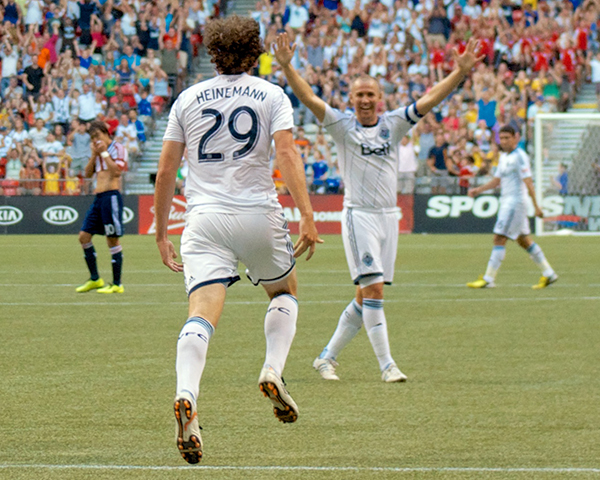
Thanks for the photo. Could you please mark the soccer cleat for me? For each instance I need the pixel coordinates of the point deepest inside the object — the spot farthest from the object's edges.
(480, 283)
(112, 289)
(393, 374)
(545, 281)
(326, 368)
(189, 441)
(273, 387)
(90, 285)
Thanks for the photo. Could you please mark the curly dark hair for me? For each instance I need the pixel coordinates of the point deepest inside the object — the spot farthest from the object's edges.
(234, 43)
(98, 126)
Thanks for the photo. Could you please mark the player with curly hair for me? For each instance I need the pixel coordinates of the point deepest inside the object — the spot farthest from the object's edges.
(233, 214)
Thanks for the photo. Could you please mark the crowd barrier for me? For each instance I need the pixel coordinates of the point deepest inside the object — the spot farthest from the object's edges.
(417, 213)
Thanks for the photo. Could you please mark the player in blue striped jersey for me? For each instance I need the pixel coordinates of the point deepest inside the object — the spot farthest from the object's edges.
(105, 216)
(367, 145)
(513, 175)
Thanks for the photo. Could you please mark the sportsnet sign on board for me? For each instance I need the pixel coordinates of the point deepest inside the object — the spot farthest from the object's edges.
(456, 213)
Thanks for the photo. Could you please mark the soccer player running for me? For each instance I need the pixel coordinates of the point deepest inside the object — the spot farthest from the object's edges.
(513, 175)
(233, 214)
(105, 216)
(367, 145)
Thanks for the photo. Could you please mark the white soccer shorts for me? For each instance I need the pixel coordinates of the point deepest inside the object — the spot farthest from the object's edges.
(370, 242)
(512, 221)
(212, 244)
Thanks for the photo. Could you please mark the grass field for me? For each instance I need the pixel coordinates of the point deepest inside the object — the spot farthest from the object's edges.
(503, 383)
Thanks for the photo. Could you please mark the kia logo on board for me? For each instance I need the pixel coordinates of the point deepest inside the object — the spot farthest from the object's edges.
(10, 215)
(128, 215)
(60, 215)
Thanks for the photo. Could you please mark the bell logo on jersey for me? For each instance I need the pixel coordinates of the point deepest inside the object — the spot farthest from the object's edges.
(379, 151)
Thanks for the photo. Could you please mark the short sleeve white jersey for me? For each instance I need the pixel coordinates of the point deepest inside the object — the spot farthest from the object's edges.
(512, 168)
(368, 157)
(227, 124)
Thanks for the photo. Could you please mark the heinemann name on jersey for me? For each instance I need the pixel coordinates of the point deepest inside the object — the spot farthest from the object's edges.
(230, 92)
(380, 151)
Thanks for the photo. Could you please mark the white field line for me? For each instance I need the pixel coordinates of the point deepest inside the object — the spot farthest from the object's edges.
(305, 468)
(112, 304)
(304, 285)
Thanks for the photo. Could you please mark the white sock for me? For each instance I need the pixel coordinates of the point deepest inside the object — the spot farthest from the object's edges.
(537, 255)
(280, 328)
(348, 326)
(498, 254)
(376, 326)
(191, 354)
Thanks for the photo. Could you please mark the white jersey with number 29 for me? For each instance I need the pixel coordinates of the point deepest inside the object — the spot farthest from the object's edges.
(227, 124)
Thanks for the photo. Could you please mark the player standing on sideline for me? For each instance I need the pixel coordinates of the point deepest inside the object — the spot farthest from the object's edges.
(367, 147)
(105, 216)
(513, 175)
(233, 214)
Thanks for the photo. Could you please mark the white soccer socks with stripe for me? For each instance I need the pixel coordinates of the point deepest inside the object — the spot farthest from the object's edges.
(348, 326)
(496, 258)
(280, 328)
(192, 346)
(376, 327)
(537, 255)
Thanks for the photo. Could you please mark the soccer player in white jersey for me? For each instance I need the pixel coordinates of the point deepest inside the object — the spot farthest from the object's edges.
(367, 146)
(233, 214)
(513, 175)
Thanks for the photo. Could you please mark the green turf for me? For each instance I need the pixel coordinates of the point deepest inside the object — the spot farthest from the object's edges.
(501, 378)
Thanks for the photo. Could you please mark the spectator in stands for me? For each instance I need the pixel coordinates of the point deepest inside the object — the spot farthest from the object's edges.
(30, 178)
(561, 181)
(80, 147)
(126, 134)
(38, 134)
(407, 166)
(439, 164)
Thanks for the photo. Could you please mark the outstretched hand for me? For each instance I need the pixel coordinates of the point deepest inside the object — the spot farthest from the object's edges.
(307, 239)
(469, 57)
(283, 52)
(168, 255)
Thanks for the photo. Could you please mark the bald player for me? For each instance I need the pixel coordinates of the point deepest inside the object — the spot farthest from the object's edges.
(367, 145)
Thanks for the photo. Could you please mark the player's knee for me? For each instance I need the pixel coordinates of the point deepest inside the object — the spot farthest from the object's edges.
(84, 237)
(372, 291)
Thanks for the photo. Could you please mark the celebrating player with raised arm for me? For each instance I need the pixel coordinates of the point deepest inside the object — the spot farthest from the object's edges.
(233, 215)
(367, 146)
(105, 216)
(513, 175)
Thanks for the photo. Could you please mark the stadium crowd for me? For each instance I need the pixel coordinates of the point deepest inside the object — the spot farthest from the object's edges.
(68, 62)
(538, 54)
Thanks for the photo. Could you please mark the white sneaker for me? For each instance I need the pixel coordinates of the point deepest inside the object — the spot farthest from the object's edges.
(393, 374)
(189, 441)
(326, 367)
(273, 388)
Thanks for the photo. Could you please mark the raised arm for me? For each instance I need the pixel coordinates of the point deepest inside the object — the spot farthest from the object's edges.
(464, 63)
(284, 54)
(292, 171)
